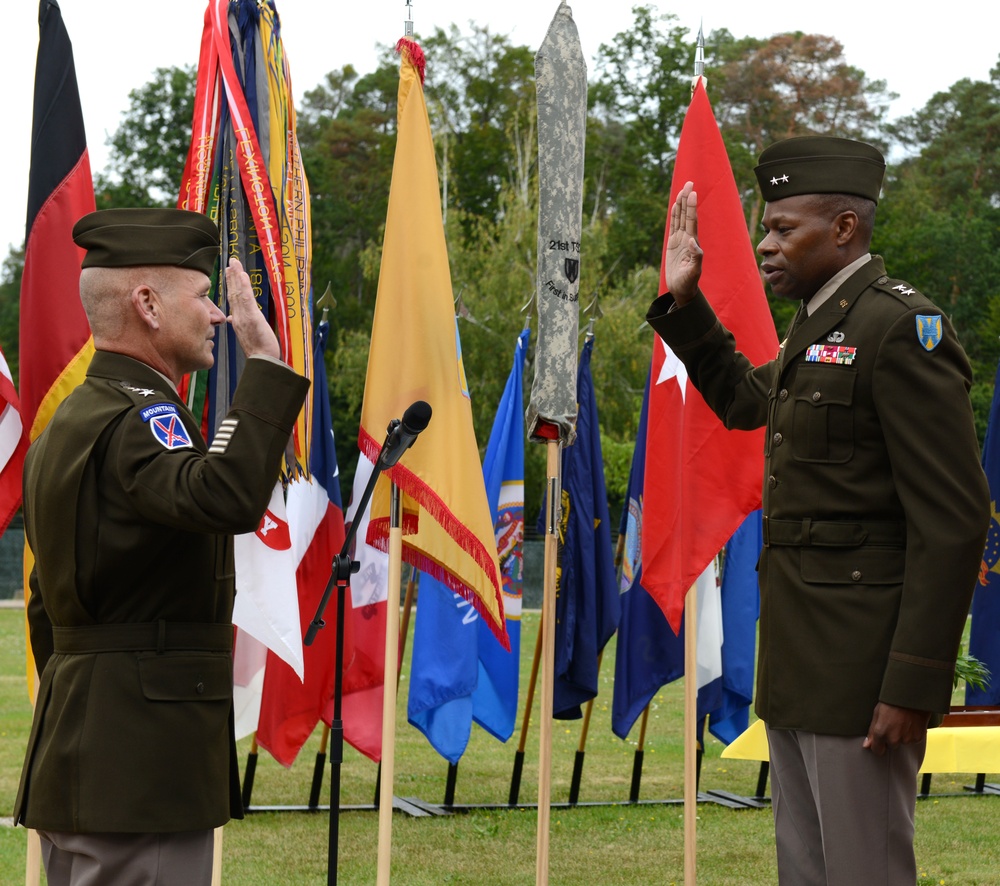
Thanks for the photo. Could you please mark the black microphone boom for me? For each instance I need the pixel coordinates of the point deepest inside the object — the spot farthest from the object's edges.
(402, 433)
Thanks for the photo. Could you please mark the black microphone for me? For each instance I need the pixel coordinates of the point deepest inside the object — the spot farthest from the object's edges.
(401, 434)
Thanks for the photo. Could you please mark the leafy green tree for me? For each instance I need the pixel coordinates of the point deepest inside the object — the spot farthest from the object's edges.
(790, 84)
(637, 101)
(481, 100)
(10, 294)
(939, 219)
(150, 146)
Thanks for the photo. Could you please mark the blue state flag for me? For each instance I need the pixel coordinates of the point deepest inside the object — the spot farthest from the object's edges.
(494, 702)
(984, 633)
(459, 670)
(587, 605)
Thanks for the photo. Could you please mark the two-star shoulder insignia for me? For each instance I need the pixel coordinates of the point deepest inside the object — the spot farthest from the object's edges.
(142, 392)
(901, 290)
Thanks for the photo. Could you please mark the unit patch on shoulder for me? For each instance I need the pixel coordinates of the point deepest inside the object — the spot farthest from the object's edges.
(929, 330)
(165, 422)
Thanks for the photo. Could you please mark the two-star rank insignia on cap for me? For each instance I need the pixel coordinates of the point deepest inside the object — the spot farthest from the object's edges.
(165, 422)
(929, 330)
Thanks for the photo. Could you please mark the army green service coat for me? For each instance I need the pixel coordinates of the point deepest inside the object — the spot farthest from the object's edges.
(130, 517)
(875, 504)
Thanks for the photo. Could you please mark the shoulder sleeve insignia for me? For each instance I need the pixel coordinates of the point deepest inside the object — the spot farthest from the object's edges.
(165, 422)
(929, 330)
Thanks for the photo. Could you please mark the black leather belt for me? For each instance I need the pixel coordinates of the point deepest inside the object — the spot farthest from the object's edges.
(158, 636)
(834, 534)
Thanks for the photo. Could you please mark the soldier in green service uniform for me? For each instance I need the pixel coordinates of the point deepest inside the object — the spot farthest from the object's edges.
(131, 761)
(875, 507)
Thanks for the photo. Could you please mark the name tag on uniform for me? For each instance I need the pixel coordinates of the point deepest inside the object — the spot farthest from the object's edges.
(830, 354)
(167, 426)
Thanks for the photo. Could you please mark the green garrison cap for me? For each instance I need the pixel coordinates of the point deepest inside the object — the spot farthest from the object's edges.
(815, 164)
(122, 238)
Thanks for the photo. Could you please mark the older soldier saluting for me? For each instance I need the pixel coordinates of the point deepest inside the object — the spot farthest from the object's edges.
(875, 507)
(131, 760)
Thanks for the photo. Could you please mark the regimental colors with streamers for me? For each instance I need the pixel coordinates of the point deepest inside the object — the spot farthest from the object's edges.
(244, 171)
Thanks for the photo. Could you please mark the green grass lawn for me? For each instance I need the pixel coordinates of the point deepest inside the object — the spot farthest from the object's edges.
(958, 837)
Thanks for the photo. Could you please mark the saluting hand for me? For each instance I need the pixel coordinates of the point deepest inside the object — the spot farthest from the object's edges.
(682, 267)
(252, 329)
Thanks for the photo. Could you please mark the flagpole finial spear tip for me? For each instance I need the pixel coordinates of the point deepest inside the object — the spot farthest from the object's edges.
(327, 300)
(408, 24)
(699, 58)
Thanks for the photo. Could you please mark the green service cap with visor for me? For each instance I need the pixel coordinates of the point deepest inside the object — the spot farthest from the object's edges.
(123, 238)
(819, 164)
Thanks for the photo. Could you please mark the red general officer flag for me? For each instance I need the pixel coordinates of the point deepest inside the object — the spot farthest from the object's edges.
(702, 480)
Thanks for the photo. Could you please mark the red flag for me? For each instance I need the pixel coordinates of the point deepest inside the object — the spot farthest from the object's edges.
(13, 445)
(702, 480)
(367, 613)
(290, 708)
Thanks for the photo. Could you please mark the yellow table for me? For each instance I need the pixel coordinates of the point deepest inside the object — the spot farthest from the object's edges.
(949, 748)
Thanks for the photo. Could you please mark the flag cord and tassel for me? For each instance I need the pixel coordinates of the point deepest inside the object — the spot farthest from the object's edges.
(690, 733)
(389, 698)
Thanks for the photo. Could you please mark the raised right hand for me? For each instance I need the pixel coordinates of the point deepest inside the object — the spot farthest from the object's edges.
(682, 266)
(252, 330)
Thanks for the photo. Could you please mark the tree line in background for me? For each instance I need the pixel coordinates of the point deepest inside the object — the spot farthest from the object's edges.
(938, 220)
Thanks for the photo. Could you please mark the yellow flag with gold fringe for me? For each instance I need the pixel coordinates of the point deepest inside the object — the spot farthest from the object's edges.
(415, 354)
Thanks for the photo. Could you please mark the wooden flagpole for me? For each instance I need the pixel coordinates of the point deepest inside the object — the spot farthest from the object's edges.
(388, 696)
(690, 731)
(33, 861)
(548, 629)
(217, 857)
(581, 749)
(515, 777)
(633, 795)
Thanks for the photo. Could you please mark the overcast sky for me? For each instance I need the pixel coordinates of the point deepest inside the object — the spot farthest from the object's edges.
(119, 43)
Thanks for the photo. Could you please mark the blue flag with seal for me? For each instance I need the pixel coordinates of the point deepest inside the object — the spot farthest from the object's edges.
(984, 633)
(587, 605)
(460, 672)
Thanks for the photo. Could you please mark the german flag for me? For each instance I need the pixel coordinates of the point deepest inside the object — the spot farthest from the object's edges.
(55, 341)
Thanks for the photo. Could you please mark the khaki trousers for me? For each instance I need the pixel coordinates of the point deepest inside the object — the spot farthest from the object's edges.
(181, 859)
(842, 816)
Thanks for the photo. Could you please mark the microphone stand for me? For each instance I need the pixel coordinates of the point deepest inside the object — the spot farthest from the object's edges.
(342, 568)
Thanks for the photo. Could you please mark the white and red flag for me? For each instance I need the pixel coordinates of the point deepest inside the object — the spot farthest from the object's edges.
(701, 479)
